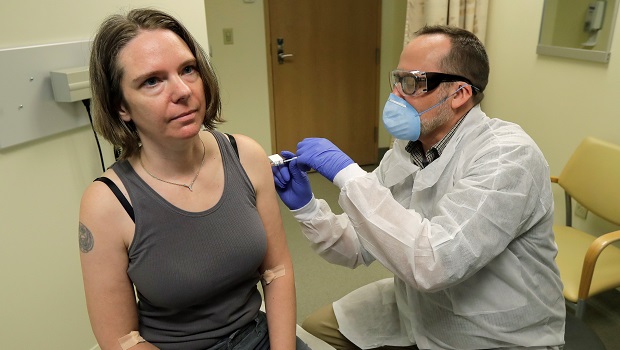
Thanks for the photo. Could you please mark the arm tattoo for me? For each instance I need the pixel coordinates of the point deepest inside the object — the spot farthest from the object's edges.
(86, 239)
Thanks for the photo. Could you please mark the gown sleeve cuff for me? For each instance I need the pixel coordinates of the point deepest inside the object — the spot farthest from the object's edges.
(351, 171)
(308, 211)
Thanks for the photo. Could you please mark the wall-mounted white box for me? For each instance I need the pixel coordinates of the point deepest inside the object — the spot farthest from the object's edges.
(71, 85)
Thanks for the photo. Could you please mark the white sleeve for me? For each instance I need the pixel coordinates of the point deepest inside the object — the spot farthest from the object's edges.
(332, 236)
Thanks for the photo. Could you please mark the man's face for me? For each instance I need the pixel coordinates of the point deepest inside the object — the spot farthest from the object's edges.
(424, 53)
(441, 116)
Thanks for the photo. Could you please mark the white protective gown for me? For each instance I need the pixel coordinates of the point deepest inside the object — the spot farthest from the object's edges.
(469, 239)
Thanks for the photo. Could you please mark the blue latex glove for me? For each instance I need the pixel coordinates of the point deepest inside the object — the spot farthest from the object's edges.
(323, 156)
(292, 183)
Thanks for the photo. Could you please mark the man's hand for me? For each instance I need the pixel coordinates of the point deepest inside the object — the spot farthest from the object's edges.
(323, 156)
(292, 183)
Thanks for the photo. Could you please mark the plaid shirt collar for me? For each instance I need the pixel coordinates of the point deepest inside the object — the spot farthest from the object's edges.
(421, 159)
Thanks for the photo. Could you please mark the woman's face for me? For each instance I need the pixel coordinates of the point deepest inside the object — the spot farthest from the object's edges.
(162, 88)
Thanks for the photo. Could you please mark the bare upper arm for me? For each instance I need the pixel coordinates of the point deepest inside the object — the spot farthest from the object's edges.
(257, 166)
(103, 230)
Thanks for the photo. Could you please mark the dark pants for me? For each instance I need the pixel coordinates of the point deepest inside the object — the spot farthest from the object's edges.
(253, 336)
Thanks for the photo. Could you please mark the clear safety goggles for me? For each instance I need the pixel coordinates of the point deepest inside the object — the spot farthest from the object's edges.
(415, 83)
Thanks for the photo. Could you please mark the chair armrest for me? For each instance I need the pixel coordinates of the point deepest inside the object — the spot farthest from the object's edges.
(594, 251)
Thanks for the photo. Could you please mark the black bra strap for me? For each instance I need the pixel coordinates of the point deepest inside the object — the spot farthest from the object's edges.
(233, 142)
(119, 195)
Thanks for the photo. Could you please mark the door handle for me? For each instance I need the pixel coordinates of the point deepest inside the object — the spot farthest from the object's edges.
(281, 54)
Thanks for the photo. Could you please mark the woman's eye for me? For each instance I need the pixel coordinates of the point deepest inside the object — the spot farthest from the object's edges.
(150, 82)
(189, 70)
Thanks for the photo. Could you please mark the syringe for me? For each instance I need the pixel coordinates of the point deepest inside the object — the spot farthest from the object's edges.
(277, 160)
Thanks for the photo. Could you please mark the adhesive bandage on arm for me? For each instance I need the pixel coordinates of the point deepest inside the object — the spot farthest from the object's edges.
(272, 274)
(131, 339)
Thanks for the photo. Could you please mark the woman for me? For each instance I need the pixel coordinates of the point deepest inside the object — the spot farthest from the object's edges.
(194, 222)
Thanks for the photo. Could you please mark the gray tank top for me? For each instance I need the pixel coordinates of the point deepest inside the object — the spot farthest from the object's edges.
(195, 273)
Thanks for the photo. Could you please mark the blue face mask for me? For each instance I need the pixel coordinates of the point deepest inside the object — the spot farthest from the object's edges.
(402, 120)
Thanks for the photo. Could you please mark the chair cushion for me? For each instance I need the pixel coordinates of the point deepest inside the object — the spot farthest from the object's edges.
(572, 247)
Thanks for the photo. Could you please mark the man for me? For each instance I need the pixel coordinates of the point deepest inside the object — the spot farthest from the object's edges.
(460, 210)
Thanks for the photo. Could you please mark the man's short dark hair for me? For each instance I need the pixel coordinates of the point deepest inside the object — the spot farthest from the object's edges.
(467, 56)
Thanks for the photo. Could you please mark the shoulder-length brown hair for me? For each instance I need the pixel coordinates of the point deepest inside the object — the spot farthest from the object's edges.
(106, 74)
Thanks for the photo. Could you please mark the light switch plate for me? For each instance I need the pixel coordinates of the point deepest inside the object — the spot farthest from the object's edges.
(228, 36)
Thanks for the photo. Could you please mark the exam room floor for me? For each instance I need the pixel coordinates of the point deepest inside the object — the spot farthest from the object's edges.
(319, 282)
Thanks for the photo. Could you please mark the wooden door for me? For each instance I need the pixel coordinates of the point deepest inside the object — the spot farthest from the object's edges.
(328, 87)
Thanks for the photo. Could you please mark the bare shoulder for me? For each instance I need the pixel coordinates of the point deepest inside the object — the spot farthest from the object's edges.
(97, 196)
(101, 214)
(249, 148)
(254, 160)
(251, 154)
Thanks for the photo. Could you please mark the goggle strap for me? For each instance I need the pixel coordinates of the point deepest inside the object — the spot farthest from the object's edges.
(442, 100)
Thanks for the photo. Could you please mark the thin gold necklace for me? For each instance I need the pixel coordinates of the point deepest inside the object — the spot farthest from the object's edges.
(191, 184)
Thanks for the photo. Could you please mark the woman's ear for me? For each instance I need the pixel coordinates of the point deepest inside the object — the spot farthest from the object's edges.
(124, 113)
(462, 96)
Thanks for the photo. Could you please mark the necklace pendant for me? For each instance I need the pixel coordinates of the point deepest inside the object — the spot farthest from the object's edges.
(191, 185)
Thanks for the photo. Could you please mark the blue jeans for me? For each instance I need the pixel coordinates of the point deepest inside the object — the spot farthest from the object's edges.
(253, 336)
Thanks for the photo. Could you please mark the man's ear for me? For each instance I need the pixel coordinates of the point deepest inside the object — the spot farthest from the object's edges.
(462, 96)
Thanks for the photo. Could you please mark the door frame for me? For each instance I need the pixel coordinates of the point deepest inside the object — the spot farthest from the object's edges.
(272, 116)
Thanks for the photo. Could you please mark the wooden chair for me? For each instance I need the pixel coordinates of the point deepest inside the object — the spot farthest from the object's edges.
(589, 264)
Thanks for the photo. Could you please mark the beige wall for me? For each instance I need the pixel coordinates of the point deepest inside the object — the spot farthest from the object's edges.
(558, 101)
(392, 38)
(41, 183)
(242, 67)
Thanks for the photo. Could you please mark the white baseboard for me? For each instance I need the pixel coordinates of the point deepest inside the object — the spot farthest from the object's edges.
(96, 347)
